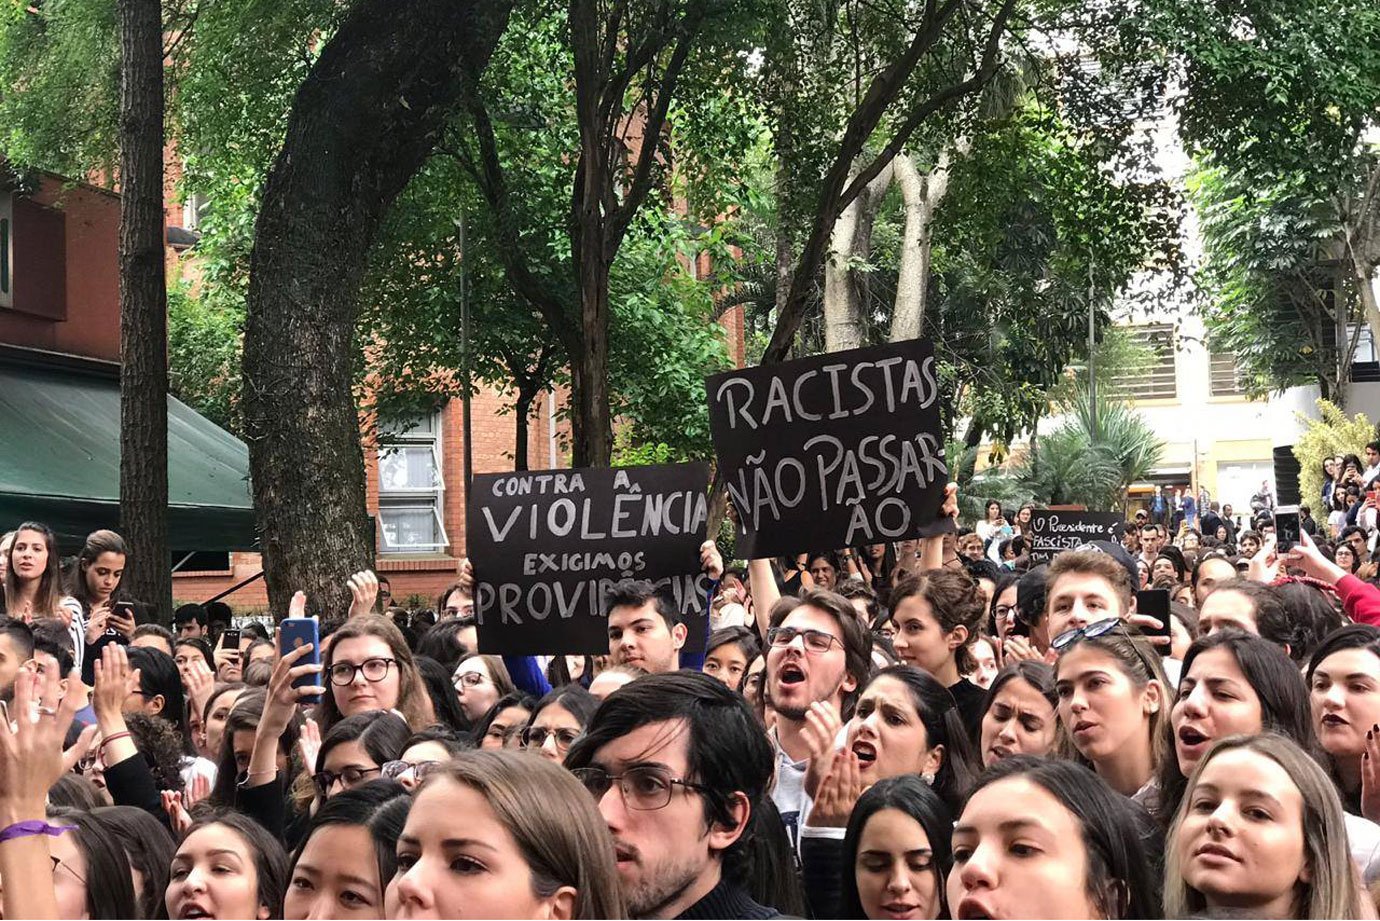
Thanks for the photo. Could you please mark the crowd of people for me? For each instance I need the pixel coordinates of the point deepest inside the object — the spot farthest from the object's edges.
(940, 727)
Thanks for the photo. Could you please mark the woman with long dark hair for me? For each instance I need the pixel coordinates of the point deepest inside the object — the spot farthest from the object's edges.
(349, 854)
(1084, 851)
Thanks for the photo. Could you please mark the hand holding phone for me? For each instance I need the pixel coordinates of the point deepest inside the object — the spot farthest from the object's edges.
(1287, 527)
(1153, 603)
(293, 634)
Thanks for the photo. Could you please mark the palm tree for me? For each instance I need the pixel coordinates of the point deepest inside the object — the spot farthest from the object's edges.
(1091, 459)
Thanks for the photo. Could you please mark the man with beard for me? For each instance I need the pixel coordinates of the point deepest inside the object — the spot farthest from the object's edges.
(817, 653)
(16, 648)
(678, 766)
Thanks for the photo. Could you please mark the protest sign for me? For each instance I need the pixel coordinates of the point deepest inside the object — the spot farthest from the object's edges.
(836, 450)
(1052, 532)
(547, 545)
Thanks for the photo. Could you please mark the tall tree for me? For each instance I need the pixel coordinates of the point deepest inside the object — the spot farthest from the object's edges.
(355, 136)
(143, 305)
(630, 61)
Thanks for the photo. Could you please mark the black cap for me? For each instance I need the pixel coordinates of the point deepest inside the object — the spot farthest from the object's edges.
(1117, 552)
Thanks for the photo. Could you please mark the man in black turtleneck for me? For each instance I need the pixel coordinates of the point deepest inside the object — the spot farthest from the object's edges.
(679, 767)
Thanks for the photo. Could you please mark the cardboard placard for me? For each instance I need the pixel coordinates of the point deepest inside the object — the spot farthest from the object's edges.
(832, 451)
(1054, 531)
(547, 545)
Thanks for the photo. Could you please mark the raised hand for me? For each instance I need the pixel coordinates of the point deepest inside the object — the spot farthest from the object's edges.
(31, 735)
(115, 681)
(838, 793)
(1264, 566)
(364, 589)
(309, 743)
(197, 790)
(1370, 775)
(822, 725)
(282, 699)
(178, 816)
(711, 561)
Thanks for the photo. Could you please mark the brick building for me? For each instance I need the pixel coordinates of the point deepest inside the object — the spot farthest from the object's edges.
(69, 292)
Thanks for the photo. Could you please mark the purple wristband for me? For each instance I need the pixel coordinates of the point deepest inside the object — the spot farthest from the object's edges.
(33, 827)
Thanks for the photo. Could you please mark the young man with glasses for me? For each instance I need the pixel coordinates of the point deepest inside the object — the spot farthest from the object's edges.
(817, 653)
(678, 766)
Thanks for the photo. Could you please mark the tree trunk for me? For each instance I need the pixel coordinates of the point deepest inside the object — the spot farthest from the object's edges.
(143, 307)
(364, 121)
(526, 396)
(843, 321)
(922, 195)
(589, 379)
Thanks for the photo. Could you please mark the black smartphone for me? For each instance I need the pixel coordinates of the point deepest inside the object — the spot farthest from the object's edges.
(1154, 602)
(230, 638)
(1286, 528)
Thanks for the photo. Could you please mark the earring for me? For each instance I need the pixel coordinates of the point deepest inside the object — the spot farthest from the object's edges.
(928, 778)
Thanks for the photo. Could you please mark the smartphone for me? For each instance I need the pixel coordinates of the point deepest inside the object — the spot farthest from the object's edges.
(124, 611)
(1154, 602)
(1286, 527)
(293, 633)
(230, 638)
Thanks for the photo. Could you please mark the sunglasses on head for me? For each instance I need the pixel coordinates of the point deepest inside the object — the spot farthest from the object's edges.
(1096, 629)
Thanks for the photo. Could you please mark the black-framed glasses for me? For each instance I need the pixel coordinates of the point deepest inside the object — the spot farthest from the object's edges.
(420, 769)
(1095, 629)
(644, 787)
(349, 778)
(816, 641)
(374, 670)
(536, 736)
(471, 679)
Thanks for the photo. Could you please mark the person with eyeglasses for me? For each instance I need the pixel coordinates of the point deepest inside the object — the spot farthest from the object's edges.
(1114, 700)
(423, 753)
(91, 873)
(368, 666)
(678, 767)
(355, 750)
(480, 681)
(818, 655)
(557, 722)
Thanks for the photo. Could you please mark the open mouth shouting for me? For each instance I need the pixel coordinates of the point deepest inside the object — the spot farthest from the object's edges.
(866, 753)
(790, 676)
(1191, 741)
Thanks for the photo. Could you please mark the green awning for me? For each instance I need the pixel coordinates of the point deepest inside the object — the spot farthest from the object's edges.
(60, 458)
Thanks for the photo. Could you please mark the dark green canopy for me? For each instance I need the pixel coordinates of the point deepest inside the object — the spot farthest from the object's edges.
(60, 458)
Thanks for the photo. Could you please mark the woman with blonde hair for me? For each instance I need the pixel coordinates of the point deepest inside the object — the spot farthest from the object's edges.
(529, 823)
(1259, 833)
(1113, 701)
(368, 666)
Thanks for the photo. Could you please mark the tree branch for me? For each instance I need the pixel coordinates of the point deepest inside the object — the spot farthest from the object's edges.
(647, 157)
(516, 267)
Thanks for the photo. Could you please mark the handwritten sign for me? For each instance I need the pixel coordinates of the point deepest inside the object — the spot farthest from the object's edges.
(831, 451)
(1053, 532)
(548, 545)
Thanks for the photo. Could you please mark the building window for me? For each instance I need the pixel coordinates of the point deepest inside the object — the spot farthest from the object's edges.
(1156, 380)
(411, 488)
(193, 209)
(1225, 381)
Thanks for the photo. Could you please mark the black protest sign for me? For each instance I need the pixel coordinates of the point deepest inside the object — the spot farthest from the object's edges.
(1054, 531)
(547, 545)
(832, 451)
